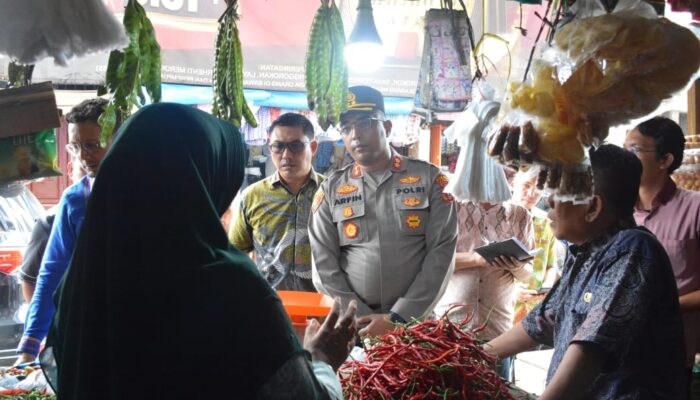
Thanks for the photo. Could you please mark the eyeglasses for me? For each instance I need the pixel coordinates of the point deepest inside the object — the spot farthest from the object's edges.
(361, 124)
(637, 150)
(88, 148)
(295, 147)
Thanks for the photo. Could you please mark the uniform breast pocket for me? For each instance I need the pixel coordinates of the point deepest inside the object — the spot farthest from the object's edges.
(413, 213)
(350, 220)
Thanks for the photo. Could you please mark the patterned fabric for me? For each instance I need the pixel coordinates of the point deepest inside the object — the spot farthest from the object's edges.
(445, 82)
(675, 220)
(405, 129)
(618, 292)
(274, 222)
(258, 135)
(487, 292)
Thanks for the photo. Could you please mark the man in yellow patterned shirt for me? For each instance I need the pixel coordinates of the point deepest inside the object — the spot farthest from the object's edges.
(271, 216)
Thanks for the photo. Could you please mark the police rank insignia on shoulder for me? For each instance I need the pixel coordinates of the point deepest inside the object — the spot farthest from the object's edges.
(411, 201)
(346, 189)
(409, 180)
(396, 163)
(356, 171)
(442, 180)
(350, 229)
(318, 199)
(413, 221)
(347, 212)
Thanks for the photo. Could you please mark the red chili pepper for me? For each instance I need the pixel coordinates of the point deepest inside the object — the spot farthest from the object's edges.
(12, 392)
(427, 360)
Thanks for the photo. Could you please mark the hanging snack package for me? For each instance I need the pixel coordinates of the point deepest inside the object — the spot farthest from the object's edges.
(620, 66)
(27, 157)
(603, 69)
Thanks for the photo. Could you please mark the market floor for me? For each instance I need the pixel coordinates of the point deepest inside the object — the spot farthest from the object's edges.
(531, 370)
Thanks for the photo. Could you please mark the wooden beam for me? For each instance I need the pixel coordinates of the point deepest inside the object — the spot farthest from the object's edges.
(694, 108)
(436, 143)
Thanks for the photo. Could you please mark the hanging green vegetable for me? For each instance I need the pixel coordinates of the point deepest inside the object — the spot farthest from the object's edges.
(326, 71)
(229, 102)
(130, 70)
(19, 74)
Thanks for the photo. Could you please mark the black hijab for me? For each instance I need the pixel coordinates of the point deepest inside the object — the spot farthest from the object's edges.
(156, 303)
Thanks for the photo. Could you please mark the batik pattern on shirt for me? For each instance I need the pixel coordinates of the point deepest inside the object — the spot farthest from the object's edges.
(273, 222)
(618, 293)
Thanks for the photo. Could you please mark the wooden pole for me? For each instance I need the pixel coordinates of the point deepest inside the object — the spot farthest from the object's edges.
(694, 109)
(435, 143)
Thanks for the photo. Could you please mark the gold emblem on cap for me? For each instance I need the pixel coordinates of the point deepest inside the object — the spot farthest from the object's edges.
(351, 99)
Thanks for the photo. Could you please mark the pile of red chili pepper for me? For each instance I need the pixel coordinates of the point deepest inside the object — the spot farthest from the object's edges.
(435, 359)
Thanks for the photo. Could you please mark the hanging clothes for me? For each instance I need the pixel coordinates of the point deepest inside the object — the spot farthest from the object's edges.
(405, 129)
(445, 76)
(257, 136)
(691, 6)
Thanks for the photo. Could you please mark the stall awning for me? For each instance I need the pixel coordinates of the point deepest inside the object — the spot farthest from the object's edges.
(187, 94)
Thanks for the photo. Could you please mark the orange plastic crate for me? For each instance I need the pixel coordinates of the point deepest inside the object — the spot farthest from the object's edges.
(301, 305)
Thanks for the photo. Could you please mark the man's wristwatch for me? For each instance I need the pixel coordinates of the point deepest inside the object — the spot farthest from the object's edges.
(394, 317)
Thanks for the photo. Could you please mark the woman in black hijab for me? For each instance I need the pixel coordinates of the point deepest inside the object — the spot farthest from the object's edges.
(156, 303)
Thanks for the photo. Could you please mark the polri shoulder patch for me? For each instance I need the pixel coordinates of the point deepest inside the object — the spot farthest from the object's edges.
(318, 199)
(442, 180)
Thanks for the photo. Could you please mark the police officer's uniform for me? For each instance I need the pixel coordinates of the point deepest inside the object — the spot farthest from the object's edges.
(387, 241)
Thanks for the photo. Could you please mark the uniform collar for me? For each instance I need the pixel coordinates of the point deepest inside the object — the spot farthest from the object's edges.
(396, 164)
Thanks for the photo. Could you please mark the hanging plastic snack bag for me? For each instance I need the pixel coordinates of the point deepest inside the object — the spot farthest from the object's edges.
(28, 157)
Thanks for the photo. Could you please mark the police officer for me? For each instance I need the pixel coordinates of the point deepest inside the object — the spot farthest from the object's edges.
(382, 231)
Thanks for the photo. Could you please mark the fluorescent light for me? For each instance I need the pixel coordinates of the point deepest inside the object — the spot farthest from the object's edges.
(364, 51)
(364, 56)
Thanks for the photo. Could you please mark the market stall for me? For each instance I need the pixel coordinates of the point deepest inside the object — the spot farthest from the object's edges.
(599, 66)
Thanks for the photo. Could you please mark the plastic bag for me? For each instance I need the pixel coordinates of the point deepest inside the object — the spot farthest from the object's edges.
(604, 70)
(34, 29)
(620, 66)
(478, 178)
(28, 157)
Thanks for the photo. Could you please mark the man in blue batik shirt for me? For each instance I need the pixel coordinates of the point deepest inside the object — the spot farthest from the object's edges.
(84, 144)
(613, 318)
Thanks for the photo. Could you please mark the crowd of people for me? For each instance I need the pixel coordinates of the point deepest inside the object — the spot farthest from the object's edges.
(139, 270)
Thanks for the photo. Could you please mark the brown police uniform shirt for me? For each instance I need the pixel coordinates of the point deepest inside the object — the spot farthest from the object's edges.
(387, 242)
